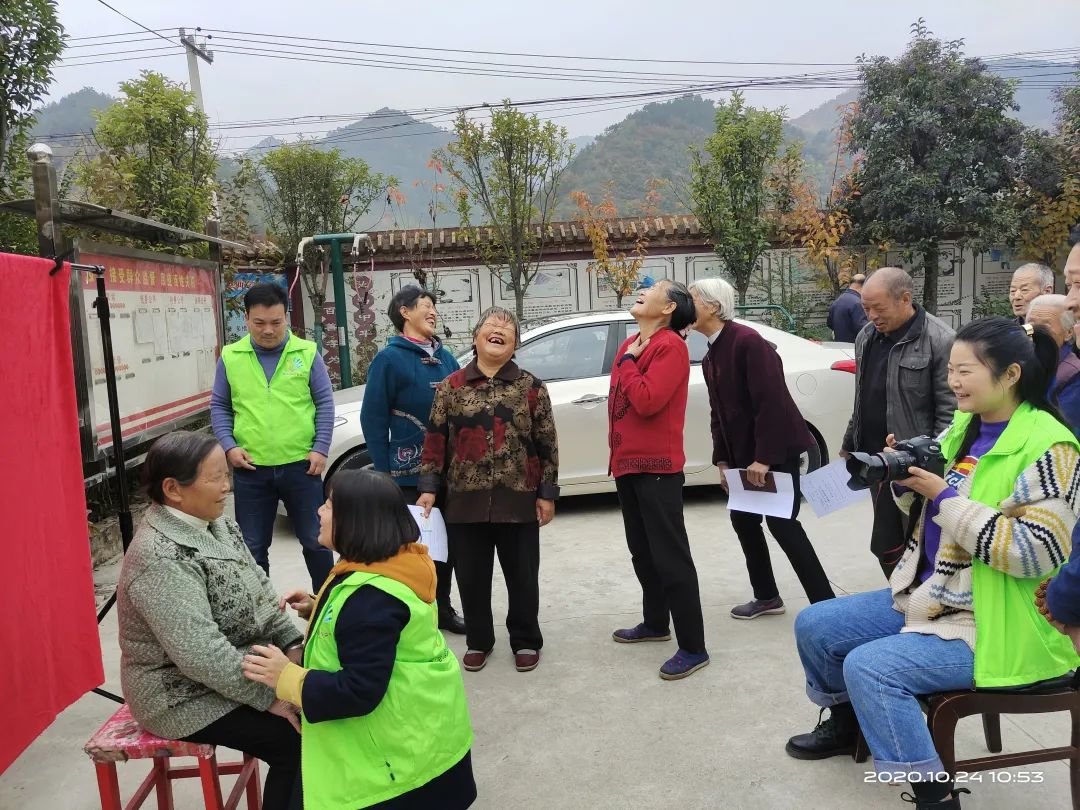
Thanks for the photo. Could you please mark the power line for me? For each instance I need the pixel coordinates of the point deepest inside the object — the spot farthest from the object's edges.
(121, 34)
(110, 61)
(134, 22)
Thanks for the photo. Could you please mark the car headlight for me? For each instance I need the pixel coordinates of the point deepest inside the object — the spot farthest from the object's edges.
(339, 421)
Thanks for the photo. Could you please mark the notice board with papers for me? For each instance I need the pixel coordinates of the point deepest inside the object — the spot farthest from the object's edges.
(166, 324)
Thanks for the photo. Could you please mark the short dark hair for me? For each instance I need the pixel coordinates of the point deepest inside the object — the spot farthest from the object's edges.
(372, 520)
(175, 455)
(265, 294)
(685, 312)
(1074, 235)
(406, 297)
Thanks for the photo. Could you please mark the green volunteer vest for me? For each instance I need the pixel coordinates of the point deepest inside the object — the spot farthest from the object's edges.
(419, 730)
(1014, 645)
(275, 421)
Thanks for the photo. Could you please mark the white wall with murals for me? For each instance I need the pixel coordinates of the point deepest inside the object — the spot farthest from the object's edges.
(783, 278)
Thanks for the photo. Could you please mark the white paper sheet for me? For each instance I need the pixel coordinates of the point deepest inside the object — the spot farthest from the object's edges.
(432, 532)
(826, 490)
(777, 504)
(144, 326)
(161, 332)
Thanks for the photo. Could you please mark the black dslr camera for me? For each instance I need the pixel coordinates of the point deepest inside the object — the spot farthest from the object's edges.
(867, 469)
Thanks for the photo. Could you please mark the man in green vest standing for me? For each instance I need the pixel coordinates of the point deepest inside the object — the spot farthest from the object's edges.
(272, 409)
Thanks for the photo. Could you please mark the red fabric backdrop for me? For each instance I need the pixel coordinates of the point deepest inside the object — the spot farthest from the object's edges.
(48, 628)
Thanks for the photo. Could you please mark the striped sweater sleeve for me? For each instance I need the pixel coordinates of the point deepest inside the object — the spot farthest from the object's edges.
(1031, 534)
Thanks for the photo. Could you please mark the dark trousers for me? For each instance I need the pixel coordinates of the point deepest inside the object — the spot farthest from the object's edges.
(269, 738)
(887, 538)
(454, 789)
(652, 510)
(257, 493)
(444, 571)
(792, 539)
(518, 546)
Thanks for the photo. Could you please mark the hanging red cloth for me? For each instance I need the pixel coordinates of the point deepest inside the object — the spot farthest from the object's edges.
(48, 625)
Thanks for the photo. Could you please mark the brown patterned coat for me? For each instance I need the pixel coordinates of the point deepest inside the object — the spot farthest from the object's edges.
(492, 443)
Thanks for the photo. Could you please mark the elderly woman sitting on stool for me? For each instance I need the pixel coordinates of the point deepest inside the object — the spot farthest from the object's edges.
(192, 602)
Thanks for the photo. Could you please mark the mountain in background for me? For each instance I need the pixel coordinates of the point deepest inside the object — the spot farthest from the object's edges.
(650, 143)
(1036, 102)
(398, 145)
(65, 123)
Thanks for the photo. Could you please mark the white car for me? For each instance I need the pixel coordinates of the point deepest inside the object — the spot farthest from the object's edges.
(574, 353)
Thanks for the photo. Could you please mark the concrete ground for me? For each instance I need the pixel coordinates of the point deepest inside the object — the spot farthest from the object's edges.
(594, 727)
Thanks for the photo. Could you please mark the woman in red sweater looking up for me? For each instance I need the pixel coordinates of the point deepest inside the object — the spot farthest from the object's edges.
(646, 414)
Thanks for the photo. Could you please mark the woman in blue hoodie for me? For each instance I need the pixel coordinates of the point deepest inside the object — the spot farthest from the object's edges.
(397, 402)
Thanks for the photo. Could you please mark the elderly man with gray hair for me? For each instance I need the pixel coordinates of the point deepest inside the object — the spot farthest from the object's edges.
(1028, 282)
(1052, 312)
(901, 360)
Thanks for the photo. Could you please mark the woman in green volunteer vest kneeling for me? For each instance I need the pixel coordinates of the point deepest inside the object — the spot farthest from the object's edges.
(984, 537)
(385, 722)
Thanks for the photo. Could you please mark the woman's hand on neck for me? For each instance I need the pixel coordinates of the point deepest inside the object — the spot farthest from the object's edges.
(648, 328)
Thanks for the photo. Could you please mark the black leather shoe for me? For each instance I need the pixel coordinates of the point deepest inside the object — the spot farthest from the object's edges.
(948, 803)
(832, 737)
(450, 619)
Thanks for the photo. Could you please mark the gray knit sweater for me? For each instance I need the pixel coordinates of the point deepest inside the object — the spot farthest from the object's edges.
(191, 603)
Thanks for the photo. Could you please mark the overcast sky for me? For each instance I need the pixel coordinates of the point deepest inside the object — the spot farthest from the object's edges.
(242, 88)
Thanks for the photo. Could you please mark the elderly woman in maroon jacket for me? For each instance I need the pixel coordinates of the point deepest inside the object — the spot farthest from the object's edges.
(756, 427)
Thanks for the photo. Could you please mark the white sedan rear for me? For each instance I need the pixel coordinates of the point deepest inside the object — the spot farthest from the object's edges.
(574, 354)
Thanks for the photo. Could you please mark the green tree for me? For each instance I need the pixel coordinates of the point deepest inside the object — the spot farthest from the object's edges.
(31, 40)
(729, 185)
(1048, 189)
(306, 191)
(153, 155)
(509, 170)
(939, 151)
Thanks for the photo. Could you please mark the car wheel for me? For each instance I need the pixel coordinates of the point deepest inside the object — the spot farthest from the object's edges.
(811, 459)
(358, 459)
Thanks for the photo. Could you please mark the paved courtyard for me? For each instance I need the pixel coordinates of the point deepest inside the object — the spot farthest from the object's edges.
(594, 727)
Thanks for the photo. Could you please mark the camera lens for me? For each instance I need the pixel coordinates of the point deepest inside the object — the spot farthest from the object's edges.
(866, 470)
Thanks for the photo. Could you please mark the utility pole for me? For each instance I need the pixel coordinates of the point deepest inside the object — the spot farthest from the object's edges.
(195, 52)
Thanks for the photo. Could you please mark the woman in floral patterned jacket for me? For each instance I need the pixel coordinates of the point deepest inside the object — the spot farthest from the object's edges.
(491, 443)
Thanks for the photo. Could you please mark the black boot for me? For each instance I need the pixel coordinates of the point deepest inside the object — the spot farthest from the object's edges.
(450, 619)
(934, 796)
(830, 738)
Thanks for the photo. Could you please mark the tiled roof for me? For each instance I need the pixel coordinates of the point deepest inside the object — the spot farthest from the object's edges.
(669, 230)
(682, 230)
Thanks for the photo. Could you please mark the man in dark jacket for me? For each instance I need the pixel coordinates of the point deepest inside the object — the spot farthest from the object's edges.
(400, 388)
(846, 315)
(901, 387)
(757, 427)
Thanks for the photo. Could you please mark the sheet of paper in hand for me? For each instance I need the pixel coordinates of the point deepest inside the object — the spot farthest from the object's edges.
(432, 532)
(777, 500)
(826, 489)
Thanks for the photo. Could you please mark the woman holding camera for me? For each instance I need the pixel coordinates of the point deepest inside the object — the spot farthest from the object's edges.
(984, 536)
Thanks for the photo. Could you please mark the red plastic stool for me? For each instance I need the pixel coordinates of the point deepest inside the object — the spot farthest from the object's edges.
(121, 739)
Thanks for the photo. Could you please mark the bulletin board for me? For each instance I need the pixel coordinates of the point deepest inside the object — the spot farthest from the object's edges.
(166, 330)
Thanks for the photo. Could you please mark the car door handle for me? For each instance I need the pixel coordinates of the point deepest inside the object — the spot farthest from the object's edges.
(588, 399)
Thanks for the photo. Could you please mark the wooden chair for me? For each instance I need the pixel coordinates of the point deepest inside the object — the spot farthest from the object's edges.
(944, 710)
(122, 739)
